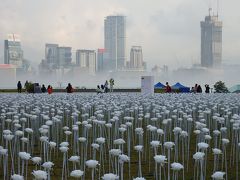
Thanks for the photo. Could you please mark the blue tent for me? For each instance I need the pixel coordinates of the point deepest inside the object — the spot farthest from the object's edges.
(159, 86)
(181, 87)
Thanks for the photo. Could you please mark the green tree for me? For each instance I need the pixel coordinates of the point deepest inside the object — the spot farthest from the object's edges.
(220, 87)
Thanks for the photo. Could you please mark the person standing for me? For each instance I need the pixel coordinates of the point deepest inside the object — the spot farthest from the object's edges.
(111, 84)
(69, 88)
(106, 86)
(43, 89)
(50, 89)
(19, 87)
(199, 89)
(168, 88)
(207, 88)
(26, 86)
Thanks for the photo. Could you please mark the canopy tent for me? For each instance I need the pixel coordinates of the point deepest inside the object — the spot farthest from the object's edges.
(159, 86)
(181, 88)
(235, 89)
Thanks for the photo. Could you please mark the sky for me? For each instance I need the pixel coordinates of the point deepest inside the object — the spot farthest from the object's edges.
(168, 31)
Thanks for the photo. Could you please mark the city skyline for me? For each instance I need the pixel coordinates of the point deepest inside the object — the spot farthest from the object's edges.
(165, 33)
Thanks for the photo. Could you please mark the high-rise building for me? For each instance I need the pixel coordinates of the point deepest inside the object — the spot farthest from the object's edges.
(115, 42)
(136, 58)
(57, 57)
(211, 42)
(13, 53)
(100, 60)
(51, 54)
(86, 59)
(64, 56)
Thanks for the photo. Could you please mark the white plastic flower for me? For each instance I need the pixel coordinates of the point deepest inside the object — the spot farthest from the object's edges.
(110, 176)
(76, 173)
(160, 159)
(91, 163)
(39, 175)
(17, 177)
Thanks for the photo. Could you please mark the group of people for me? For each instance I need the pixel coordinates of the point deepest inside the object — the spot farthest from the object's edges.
(37, 89)
(198, 89)
(104, 88)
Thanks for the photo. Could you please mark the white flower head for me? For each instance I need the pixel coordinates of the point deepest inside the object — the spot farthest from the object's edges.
(74, 158)
(176, 166)
(169, 145)
(199, 156)
(218, 175)
(115, 152)
(36, 160)
(17, 177)
(24, 155)
(76, 173)
(110, 176)
(92, 163)
(160, 159)
(39, 175)
(48, 165)
(216, 151)
(138, 148)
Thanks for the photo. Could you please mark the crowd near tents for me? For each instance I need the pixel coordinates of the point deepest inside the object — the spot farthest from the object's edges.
(178, 87)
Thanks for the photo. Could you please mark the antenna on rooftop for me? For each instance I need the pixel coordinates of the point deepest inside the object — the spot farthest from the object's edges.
(209, 7)
(209, 10)
(217, 7)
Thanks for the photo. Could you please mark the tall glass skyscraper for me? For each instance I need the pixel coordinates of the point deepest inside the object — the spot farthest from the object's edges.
(211, 42)
(13, 53)
(115, 42)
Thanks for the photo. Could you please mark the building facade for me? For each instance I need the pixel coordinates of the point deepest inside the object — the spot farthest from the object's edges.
(115, 42)
(13, 53)
(100, 60)
(136, 58)
(86, 59)
(57, 57)
(211, 42)
(64, 57)
(51, 54)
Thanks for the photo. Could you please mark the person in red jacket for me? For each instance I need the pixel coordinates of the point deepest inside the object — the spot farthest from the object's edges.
(168, 88)
(49, 89)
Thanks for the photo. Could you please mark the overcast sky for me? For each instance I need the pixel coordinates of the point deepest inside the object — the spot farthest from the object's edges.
(168, 30)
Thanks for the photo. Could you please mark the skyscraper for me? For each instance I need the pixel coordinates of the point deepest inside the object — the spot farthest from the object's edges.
(13, 53)
(100, 60)
(64, 56)
(51, 54)
(115, 42)
(86, 59)
(57, 57)
(211, 42)
(136, 58)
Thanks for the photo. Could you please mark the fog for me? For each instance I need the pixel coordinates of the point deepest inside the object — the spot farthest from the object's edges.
(168, 31)
(128, 79)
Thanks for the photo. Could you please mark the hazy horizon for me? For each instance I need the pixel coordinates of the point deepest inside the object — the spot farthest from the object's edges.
(169, 32)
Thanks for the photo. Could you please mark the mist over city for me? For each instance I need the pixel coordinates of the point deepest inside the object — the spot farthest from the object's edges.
(85, 43)
(119, 89)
